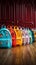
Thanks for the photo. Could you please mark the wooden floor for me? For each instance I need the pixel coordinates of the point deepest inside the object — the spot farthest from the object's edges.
(21, 55)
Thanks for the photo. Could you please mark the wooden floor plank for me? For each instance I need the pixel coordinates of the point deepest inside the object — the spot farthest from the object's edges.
(20, 55)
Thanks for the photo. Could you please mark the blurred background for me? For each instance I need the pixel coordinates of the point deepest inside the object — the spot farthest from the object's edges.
(23, 11)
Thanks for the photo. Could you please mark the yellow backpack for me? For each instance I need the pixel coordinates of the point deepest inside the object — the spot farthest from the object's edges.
(34, 34)
(18, 35)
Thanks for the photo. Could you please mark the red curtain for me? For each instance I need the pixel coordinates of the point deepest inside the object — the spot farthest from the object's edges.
(24, 14)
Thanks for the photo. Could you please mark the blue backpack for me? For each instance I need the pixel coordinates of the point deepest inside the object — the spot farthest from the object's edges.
(5, 38)
(31, 34)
